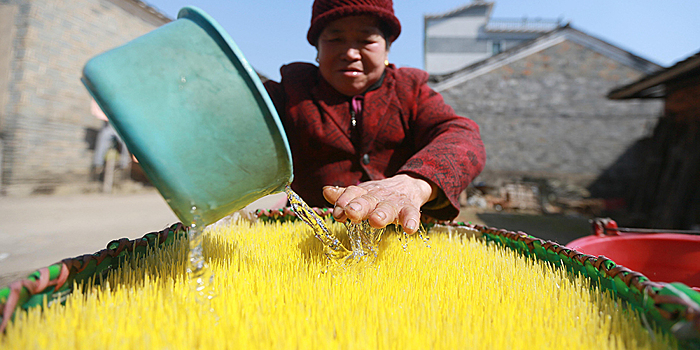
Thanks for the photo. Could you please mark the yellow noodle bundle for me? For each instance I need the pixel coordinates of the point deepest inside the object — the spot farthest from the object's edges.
(275, 289)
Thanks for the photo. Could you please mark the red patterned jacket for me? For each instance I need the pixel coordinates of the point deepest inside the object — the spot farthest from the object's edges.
(405, 127)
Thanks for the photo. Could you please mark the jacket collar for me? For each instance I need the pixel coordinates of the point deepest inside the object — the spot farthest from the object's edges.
(377, 100)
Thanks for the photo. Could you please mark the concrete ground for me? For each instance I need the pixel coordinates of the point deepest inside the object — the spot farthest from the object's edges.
(39, 231)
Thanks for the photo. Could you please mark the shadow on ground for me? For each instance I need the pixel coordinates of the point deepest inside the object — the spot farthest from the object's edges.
(558, 228)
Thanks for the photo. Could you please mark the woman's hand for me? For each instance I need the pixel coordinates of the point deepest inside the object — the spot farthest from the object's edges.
(392, 200)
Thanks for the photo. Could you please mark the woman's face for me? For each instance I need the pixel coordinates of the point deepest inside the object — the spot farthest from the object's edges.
(351, 54)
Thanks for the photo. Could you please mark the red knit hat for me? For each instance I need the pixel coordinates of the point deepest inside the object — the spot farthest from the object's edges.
(327, 11)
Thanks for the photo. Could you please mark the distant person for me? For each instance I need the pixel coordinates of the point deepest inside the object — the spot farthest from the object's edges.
(372, 139)
(106, 139)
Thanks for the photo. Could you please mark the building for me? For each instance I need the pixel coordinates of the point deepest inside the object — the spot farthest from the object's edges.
(666, 192)
(46, 127)
(458, 38)
(544, 115)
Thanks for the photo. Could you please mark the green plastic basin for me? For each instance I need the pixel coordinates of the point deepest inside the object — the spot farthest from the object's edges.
(195, 115)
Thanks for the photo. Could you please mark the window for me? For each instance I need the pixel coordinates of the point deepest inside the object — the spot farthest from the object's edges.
(496, 48)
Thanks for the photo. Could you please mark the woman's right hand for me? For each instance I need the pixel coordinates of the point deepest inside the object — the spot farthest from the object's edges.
(382, 202)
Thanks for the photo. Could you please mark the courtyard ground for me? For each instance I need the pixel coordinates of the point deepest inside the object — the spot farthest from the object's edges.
(39, 231)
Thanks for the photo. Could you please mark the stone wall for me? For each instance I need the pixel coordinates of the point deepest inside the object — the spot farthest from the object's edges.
(47, 120)
(547, 116)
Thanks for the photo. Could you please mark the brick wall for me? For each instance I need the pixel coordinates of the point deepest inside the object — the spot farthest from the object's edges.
(47, 117)
(683, 99)
(546, 115)
(667, 192)
(8, 12)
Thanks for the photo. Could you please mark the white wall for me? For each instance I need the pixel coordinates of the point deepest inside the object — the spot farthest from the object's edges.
(443, 63)
(455, 27)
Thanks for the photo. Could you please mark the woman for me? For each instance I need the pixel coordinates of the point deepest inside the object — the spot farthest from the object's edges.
(372, 139)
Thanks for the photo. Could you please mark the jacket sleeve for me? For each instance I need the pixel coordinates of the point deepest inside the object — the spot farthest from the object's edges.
(276, 92)
(450, 151)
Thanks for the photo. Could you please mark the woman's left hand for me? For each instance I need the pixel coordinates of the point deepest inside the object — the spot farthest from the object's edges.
(392, 200)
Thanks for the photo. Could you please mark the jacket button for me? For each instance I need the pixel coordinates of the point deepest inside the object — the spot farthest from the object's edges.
(365, 159)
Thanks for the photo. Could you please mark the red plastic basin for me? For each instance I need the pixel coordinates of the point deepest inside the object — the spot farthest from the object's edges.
(662, 257)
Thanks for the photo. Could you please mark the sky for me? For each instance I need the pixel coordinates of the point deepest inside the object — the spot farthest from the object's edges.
(271, 33)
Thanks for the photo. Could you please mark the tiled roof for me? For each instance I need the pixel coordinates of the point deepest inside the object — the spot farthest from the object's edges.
(150, 9)
(474, 3)
(524, 25)
(442, 82)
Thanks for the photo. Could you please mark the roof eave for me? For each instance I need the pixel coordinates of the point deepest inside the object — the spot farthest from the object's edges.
(649, 86)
